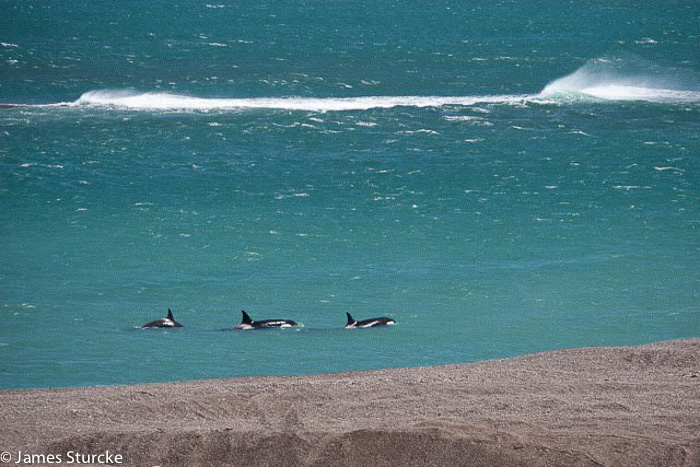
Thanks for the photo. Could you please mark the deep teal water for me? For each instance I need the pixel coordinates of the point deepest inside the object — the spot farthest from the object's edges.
(500, 178)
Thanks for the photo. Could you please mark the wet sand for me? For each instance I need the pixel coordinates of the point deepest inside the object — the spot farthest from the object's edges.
(637, 406)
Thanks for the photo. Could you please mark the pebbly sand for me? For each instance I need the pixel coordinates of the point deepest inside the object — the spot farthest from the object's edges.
(637, 406)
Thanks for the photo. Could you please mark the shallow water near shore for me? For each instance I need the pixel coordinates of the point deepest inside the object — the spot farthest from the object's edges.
(496, 193)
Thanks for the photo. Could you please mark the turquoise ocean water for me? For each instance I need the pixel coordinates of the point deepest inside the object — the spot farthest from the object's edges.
(499, 177)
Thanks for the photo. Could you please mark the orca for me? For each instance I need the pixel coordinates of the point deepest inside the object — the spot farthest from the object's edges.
(368, 323)
(248, 323)
(168, 322)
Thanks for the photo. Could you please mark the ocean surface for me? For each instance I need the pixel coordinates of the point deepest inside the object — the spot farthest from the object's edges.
(499, 177)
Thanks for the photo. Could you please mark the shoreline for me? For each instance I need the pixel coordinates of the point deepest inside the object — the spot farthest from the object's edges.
(261, 377)
(594, 406)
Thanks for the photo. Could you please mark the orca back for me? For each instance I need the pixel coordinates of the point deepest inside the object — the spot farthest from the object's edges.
(167, 322)
(351, 321)
(249, 323)
(246, 318)
(369, 323)
(170, 318)
(273, 323)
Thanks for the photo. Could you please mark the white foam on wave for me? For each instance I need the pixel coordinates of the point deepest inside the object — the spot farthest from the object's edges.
(167, 101)
(609, 79)
(636, 93)
(625, 80)
(564, 90)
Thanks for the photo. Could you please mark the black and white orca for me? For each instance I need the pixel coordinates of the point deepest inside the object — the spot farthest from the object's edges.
(248, 323)
(168, 322)
(368, 323)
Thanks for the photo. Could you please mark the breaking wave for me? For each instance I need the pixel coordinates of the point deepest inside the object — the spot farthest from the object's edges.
(581, 85)
(605, 79)
(626, 79)
(166, 101)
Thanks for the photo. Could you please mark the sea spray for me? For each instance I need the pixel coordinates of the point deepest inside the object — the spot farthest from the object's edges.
(624, 79)
(602, 79)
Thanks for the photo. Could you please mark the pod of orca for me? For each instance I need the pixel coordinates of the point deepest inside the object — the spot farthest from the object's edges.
(247, 323)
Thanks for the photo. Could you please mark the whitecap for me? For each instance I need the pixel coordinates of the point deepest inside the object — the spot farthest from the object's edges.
(602, 79)
(422, 130)
(479, 121)
(631, 187)
(674, 169)
(461, 118)
(167, 101)
(628, 79)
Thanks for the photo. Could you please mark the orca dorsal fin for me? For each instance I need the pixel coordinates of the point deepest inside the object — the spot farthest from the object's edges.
(246, 318)
(351, 320)
(170, 315)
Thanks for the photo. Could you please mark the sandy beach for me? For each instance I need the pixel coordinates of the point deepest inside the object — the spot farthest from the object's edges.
(637, 406)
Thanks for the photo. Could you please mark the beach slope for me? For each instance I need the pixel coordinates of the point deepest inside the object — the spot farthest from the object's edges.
(637, 406)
